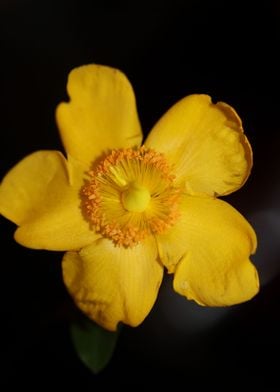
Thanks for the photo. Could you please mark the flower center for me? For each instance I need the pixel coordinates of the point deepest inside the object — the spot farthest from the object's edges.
(136, 198)
(129, 195)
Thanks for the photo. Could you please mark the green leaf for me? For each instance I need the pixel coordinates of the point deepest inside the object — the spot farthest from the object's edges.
(93, 344)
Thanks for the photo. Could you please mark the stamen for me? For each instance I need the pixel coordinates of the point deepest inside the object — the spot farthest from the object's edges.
(131, 195)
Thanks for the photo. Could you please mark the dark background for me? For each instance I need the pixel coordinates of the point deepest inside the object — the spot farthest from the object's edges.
(168, 50)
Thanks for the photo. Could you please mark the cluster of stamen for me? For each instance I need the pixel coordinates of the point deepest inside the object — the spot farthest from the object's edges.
(129, 195)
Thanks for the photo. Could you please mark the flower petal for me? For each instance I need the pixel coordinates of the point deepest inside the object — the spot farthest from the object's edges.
(114, 284)
(214, 269)
(101, 114)
(37, 196)
(206, 145)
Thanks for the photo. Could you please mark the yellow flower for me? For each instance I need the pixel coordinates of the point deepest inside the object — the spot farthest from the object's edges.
(123, 211)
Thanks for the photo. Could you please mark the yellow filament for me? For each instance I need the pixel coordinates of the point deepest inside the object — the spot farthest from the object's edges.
(129, 195)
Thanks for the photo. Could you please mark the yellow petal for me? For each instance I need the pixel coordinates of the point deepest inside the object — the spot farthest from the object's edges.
(101, 114)
(37, 196)
(206, 145)
(214, 269)
(113, 284)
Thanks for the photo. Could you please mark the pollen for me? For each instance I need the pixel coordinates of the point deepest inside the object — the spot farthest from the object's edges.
(130, 195)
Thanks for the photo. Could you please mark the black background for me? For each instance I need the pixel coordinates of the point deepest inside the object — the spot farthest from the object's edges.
(168, 50)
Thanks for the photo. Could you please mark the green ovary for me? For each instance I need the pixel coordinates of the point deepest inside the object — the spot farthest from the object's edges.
(136, 198)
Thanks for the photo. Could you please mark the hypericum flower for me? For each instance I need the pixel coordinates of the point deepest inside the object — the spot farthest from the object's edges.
(123, 211)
